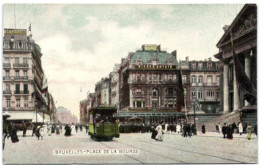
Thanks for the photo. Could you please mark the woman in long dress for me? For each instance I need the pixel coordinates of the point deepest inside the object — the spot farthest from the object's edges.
(240, 128)
(178, 128)
(41, 132)
(49, 130)
(57, 130)
(159, 130)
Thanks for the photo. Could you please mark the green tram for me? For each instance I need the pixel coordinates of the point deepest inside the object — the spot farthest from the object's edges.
(103, 124)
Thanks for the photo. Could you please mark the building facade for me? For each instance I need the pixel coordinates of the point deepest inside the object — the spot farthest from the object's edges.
(114, 85)
(64, 116)
(205, 85)
(23, 75)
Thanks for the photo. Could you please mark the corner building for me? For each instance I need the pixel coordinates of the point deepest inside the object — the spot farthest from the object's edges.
(148, 86)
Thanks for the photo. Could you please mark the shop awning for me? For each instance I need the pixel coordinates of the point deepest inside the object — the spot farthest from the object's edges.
(20, 115)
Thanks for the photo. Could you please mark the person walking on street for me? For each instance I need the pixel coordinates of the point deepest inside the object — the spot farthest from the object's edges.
(77, 127)
(33, 129)
(189, 130)
(240, 128)
(57, 130)
(224, 130)
(159, 130)
(41, 132)
(49, 130)
(249, 131)
(13, 133)
(229, 132)
(24, 129)
(178, 128)
(255, 129)
(219, 128)
(203, 128)
(154, 132)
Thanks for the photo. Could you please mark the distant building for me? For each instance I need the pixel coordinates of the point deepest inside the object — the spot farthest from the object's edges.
(24, 89)
(64, 116)
(114, 86)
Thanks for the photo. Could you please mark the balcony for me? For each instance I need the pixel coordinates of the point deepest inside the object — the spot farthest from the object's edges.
(21, 78)
(21, 65)
(211, 84)
(6, 78)
(6, 65)
(7, 92)
(21, 92)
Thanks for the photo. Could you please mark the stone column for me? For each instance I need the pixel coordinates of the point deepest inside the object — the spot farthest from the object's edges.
(131, 98)
(248, 69)
(225, 89)
(235, 91)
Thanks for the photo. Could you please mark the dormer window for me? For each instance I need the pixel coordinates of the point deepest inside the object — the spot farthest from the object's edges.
(209, 65)
(193, 66)
(200, 66)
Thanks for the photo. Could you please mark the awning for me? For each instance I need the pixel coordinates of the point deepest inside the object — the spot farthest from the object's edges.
(20, 115)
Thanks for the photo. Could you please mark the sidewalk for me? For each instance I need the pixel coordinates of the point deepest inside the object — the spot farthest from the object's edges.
(216, 134)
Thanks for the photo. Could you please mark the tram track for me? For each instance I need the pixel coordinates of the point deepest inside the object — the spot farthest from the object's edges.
(171, 147)
(124, 154)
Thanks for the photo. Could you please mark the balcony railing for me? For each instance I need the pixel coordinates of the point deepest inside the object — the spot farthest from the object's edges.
(6, 78)
(21, 92)
(7, 92)
(211, 84)
(20, 65)
(21, 78)
(6, 65)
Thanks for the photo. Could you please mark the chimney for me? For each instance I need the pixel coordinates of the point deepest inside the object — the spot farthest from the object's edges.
(225, 28)
(174, 54)
(187, 59)
(159, 48)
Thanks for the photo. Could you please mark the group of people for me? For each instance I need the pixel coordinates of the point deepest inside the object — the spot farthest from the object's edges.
(157, 132)
(229, 129)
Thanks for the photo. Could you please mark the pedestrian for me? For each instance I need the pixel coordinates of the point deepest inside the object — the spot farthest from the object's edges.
(154, 132)
(49, 130)
(57, 130)
(67, 130)
(37, 132)
(80, 128)
(244, 128)
(76, 127)
(159, 136)
(255, 129)
(5, 129)
(193, 128)
(229, 132)
(224, 130)
(234, 126)
(13, 133)
(166, 128)
(41, 132)
(189, 130)
(33, 129)
(52, 129)
(249, 131)
(203, 128)
(240, 128)
(24, 129)
(73, 129)
(184, 128)
(219, 128)
(178, 128)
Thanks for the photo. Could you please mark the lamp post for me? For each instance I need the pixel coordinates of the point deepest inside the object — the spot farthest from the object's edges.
(36, 104)
(194, 107)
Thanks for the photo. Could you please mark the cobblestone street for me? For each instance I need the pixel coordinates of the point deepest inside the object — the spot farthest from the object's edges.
(208, 148)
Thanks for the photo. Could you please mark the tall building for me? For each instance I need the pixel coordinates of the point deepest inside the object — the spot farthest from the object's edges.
(148, 85)
(24, 90)
(114, 86)
(244, 34)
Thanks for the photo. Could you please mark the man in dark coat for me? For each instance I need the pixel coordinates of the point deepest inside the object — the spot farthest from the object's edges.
(255, 129)
(224, 130)
(80, 127)
(154, 132)
(217, 128)
(67, 130)
(234, 126)
(185, 130)
(229, 132)
(33, 129)
(52, 129)
(24, 129)
(189, 130)
(203, 128)
(13, 134)
(193, 128)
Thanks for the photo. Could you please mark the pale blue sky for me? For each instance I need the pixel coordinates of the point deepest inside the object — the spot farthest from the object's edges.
(81, 43)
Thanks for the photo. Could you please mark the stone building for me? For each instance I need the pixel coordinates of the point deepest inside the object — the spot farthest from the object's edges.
(244, 34)
(85, 105)
(24, 94)
(64, 116)
(114, 86)
(148, 85)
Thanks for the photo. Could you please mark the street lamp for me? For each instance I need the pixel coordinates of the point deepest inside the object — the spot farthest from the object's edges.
(194, 107)
(36, 104)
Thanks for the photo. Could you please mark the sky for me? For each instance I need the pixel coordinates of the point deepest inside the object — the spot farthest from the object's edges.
(81, 43)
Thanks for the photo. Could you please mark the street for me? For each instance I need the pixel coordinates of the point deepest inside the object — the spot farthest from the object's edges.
(208, 148)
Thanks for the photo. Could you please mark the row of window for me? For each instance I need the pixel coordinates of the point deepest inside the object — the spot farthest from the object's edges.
(18, 103)
(200, 79)
(17, 60)
(156, 77)
(200, 66)
(17, 87)
(209, 93)
(17, 45)
(17, 73)
(155, 92)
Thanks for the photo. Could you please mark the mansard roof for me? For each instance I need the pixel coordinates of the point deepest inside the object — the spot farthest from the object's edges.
(146, 56)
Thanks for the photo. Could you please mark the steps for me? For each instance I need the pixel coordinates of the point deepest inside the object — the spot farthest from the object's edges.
(225, 118)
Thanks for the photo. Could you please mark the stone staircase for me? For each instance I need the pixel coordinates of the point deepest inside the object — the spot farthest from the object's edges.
(228, 117)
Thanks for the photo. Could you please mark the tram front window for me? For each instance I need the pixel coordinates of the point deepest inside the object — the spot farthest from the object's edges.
(104, 118)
